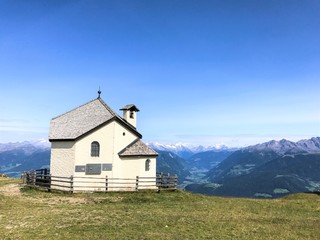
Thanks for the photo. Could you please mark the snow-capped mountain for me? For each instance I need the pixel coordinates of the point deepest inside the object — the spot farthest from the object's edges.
(186, 150)
(28, 147)
(284, 146)
(24, 156)
(313, 144)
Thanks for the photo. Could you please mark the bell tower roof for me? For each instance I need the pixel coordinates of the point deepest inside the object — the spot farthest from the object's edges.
(130, 107)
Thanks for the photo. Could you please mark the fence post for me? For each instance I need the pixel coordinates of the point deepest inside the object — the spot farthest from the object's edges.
(49, 184)
(107, 183)
(27, 176)
(71, 183)
(137, 183)
(23, 177)
(45, 173)
(175, 181)
(160, 182)
(34, 178)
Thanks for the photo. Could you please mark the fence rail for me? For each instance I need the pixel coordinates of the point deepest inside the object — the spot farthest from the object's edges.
(43, 179)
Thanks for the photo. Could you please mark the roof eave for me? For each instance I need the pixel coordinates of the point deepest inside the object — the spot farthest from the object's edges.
(61, 140)
(128, 126)
(138, 155)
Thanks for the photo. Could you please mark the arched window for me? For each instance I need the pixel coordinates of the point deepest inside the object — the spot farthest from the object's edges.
(147, 165)
(95, 149)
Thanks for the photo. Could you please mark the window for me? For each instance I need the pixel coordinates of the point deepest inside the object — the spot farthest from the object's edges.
(147, 165)
(131, 114)
(95, 149)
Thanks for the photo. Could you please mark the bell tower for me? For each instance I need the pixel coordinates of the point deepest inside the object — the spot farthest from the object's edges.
(130, 114)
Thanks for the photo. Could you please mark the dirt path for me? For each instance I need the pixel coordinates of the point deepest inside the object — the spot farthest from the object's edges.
(13, 190)
(10, 190)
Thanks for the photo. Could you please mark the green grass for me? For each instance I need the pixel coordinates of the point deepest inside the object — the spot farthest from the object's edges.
(6, 181)
(35, 214)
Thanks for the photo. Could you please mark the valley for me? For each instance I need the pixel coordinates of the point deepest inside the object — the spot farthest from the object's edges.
(267, 170)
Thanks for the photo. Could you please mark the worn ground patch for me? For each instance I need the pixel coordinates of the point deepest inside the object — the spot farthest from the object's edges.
(11, 190)
(14, 190)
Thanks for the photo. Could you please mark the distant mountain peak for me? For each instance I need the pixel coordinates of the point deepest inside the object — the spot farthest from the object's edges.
(191, 147)
(186, 150)
(26, 146)
(284, 146)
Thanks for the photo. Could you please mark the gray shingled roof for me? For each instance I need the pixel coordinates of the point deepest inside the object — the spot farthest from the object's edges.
(130, 107)
(83, 119)
(137, 148)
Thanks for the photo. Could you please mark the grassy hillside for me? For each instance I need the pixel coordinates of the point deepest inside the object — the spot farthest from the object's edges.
(238, 163)
(208, 159)
(14, 161)
(31, 214)
(262, 174)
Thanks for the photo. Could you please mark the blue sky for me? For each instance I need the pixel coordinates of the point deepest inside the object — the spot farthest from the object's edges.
(233, 72)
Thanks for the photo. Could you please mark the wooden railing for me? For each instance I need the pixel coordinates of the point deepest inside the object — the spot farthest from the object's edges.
(43, 179)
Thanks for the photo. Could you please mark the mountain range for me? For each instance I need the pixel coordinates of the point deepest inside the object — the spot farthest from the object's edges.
(187, 150)
(28, 147)
(270, 169)
(23, 156)
(265, 170)
(283, 146)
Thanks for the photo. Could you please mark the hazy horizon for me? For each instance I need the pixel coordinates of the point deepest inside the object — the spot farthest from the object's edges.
(190, 144)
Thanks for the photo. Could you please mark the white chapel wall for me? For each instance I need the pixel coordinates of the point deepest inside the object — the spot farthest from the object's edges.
(62, 158)
(123, 138)
(62, 164)
(112, 138)
(104, 136)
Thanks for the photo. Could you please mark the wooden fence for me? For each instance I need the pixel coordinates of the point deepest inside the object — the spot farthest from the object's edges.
(43, 179)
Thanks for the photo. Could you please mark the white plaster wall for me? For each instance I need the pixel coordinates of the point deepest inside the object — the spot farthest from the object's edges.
(132, 121)
(151, 173)
(135, 166)
(112, 139)
(105, 138)
(122, 139)
(62, 158)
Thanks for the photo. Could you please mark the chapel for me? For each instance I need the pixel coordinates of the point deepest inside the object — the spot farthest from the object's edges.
(93, 140)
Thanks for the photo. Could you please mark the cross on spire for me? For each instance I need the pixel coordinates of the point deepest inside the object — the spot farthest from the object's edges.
(99, 92)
